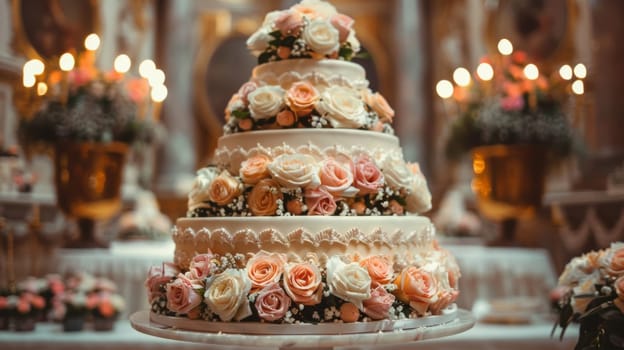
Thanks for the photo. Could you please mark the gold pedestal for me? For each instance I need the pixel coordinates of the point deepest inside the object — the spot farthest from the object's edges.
(88, 178)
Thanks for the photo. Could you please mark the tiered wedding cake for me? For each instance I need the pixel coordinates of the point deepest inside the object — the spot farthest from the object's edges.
(310, 214)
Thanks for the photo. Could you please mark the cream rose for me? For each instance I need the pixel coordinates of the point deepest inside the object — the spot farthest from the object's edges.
(259, 41)
(319, 202)
(200, 191)
(417, 287)
(349, 282)
(379, 104)
(254, 169)
(157, 277)
(295, 170)
(262, 199)
(354, 42)
(224, 188)
(301, 98)
(379, 303)
(418, 198)
(272, 303)
(397, 175)
(321, 37)
(226, 295)
(264, 269)
(379, 269)
(367, 178)
(342, 107)
(302, 282)
(181, 295)
(265, 102)
(337, 178)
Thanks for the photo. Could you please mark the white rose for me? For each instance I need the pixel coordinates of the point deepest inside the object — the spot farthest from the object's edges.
(396, 173)
(354, 42)
(226, 295)
(199, 192)
(342, 107)
(418, 198)
(350, 282)
(266, 102)
(259, 41)
(321, 36)
(295, 170)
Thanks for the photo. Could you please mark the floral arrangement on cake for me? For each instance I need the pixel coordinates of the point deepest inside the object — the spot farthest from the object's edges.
(266, 287)
(302, 105)
(310, 29)
(76, 101)
(591, 292)
(299, 183)
(508, 101)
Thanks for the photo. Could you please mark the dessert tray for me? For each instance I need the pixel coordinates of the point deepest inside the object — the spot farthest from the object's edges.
(325, 336)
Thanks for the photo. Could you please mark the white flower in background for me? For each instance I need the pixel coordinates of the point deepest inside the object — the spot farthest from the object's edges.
(321, 36)
(342, 107)
(266, 102)
(199, 192)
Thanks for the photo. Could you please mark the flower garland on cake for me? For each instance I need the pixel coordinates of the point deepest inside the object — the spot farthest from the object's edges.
(266, 287)
(298, 183)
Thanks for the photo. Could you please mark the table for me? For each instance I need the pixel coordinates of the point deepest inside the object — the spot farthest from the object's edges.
(534, 336)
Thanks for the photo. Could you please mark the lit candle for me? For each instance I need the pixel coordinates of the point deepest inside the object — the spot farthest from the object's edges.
(146, 68)
(42, 88)
(485, 71)
(565, 72)
(532, 73)
(28, 80)
(92, 42)
(67, 62)
(122, 63)
(461, 76)
(505, 47)
(578, 88)
(444, 89)
(158, 95)
(580, 71)
(156, 78)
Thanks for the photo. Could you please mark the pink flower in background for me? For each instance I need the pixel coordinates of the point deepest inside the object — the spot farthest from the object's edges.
(272, 302)
(512, 103)
(80, 76)
(138, 90)
(320, 202)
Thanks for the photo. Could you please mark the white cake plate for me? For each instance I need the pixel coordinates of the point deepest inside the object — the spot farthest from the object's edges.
(465, 320)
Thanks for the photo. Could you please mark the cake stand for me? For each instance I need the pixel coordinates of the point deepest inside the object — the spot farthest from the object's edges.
(465, 320)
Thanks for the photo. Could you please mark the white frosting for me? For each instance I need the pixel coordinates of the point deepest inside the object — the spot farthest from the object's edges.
(318, 72)
(399, 238)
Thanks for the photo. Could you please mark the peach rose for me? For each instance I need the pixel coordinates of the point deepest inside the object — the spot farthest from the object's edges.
(262, 199)
(379, 269)
(226, 295)
(285, 118)
(295, 206)
(616, 260)
(379, 303)
(245, 90)
(416, 287)
(343, 24)
(254, 169)
(349, 282)
(320, 202)
(367, 178)
(264, 269)
(181, 295)
(272, 303)
(379, 104)
(201, 267)
(337, 178)
(224, 188)
(158, 277)
(301, 98)
(445, 298)
(315, 9)
(302, 283)
(289, 23)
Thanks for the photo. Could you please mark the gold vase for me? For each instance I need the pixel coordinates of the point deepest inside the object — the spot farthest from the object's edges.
(508, 180)
(88, 178)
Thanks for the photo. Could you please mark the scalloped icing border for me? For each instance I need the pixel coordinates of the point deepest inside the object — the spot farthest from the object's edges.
(318, 80)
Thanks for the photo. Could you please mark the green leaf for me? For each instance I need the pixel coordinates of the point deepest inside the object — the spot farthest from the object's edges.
(241, 113)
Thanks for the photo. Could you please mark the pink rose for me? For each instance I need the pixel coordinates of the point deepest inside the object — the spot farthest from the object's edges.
(201, 266)
(245, 90)
(264, 269)
(378, 305)
(416, 287)
(379, 269)
(289, 23)
(157, 277)
(181, 295)
(302, 283)
(285, 118)
(272, 303)
(445, 298)
(262, 199)
(254, 169)
(80, 76)
(379, 104)
(367, 178)
(336, 178)
(301, 98)
(343, 24)
(320, 202)
(616, 262)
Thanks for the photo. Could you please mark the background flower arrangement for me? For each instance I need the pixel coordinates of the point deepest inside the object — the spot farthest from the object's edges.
(509, 101)
(592, 294)
(269, 288)
(81, 103)
(310, 29)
